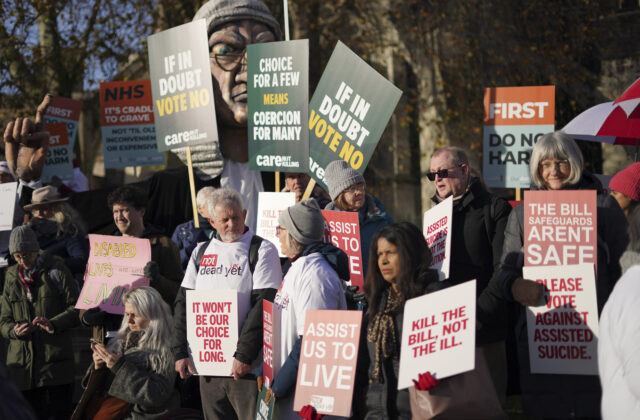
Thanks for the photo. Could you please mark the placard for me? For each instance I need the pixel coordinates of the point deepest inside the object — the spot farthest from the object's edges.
(436, 229)
(348, 113)
(7, 196)
(212, 330)
(180, 71)
(278, 99)
(514, 120)
(67, 111)
(327, 368)
(342, 229)
(128, 132)
(264, 411)
(59, 160)
(438, 334)
(563, 333)
(560, 227)
(270, 206)
(115, 266)
(271, 343)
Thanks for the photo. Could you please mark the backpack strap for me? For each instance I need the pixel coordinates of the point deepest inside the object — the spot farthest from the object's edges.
(256, 241)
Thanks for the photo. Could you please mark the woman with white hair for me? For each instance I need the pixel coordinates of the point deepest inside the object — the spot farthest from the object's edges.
(557, 164)
(132, 377)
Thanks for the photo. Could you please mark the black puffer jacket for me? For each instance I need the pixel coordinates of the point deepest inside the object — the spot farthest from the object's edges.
(564, 396)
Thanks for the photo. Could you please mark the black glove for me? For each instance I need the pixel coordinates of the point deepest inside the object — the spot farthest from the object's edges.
(353, 298)
(527, 292)
(93, 316)
(152, 271)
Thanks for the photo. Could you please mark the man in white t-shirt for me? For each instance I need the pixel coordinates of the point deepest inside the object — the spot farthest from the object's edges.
(257, 276)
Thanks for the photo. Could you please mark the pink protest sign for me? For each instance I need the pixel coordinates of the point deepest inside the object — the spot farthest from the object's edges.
(563, 332)
(437, 232)
(271, 342)
(560, 227)
(327, 368)
(342, 229)
(115, 266)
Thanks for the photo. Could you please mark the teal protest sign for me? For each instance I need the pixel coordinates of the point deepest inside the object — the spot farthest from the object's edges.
(348, 112)
(278, 91)
(181, 86)
(264, 411)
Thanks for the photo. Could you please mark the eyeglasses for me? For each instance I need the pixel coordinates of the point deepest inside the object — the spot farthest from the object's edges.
(355, 188)
(279, 229)
(442, 173)
(562, 164)
(231, 60)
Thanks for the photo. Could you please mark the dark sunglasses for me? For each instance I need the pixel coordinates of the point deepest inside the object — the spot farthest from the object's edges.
(442, 173)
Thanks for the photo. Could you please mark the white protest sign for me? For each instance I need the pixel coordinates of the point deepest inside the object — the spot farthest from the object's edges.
(212, 330)
(7, 196)
(563, 333)
(439, 334)
(437, 231)
(270, 205)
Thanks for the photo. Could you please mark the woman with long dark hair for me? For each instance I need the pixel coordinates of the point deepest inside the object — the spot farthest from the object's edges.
(398, 270)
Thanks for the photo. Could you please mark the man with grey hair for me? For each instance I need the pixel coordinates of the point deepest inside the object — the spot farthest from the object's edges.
(258, 275)
(231, 26)
(479, 220)
(187, 235)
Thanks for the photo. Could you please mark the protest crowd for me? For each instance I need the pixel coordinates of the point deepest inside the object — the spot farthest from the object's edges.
(181, 310)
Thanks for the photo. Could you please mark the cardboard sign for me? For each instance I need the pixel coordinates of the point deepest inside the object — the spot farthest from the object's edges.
(563, 333)
(59, 160)
(271, 344)
(116, 265)
(264, 411)
(342, 229)
(180, 72)
(212, 330)
(437, 231)
(8, 197)
(270, 205)
(327, 368)
(560, 227)
(439, 334)
(278, 98)
(67, 111)
(128, 132)
(348, 113)
(514, 119)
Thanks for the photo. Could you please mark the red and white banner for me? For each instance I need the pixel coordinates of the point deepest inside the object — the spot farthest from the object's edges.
(342, 229)
(437, 232)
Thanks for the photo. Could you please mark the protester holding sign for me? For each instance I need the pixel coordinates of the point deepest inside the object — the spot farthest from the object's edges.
(479, 219)
(36, 315)
(398, 270)
(132, 377)
(348, 193)
(235, 259)
(312, 282)
(59, 228)
(618, 342)
(557, 164)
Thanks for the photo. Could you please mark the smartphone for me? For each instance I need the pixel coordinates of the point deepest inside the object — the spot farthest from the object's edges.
(94, 341)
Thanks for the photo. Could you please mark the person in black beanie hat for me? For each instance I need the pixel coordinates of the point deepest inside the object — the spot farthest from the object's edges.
(348, 193)
(36, 315)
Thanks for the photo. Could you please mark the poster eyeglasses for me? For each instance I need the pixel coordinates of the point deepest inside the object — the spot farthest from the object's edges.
(230, 61)
(442, 173)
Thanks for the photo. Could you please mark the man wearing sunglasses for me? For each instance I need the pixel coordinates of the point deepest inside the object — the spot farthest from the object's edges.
(479, 220)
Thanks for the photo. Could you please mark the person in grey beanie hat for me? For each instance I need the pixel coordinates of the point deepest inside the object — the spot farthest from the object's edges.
(23, 239)
(304, 221)
(347, 190)
(217, 12)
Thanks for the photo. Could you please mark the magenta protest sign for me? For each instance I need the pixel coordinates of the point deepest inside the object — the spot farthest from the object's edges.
(115, 266)
(342, 229)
